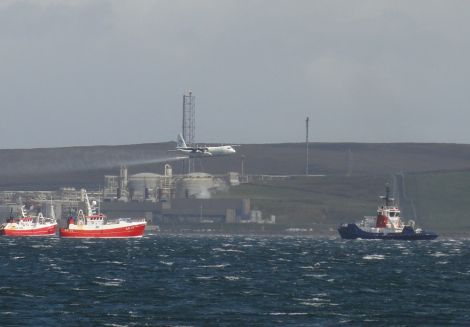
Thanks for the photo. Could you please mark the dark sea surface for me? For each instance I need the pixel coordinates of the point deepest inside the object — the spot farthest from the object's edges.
(175, 280)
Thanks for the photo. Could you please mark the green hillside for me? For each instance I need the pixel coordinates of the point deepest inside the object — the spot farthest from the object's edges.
(51, 168)
(431, 180)
(442, 200)
(439, 200)
(320, 203)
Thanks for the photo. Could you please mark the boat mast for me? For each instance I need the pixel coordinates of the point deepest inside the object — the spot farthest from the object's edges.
(52, 211)
(388, 200)
(88, 205)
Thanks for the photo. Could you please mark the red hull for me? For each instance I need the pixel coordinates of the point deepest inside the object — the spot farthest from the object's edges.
(45, 231)
(121, 232)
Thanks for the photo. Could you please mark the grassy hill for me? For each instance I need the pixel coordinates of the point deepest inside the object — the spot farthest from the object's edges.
(433, 179)
(442, 200)
(439, 200)
(85, 166)
(320, 203)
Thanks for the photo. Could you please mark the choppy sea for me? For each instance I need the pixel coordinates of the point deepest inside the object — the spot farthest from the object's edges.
(180, 280)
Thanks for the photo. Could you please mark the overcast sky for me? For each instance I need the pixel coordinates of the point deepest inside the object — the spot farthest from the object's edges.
(88, 72)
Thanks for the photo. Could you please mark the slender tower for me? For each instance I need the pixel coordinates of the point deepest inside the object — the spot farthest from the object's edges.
(189, 123)
(306, 144)
(350, 162)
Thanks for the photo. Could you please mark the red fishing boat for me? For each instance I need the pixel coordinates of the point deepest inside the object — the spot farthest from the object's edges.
(97, 225)
(28, 225)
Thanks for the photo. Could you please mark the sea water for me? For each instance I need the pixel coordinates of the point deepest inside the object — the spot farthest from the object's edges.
(181, 280)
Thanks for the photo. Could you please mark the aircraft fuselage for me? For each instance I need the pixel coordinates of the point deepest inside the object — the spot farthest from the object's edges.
(210, 151)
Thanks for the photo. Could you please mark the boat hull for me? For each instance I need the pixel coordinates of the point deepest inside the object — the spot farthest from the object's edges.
(49, 230)
(352, 231)
(118, 232)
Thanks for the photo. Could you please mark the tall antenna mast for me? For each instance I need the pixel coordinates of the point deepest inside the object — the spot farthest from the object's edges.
(350, 162)
(189, 123)
(306, 143)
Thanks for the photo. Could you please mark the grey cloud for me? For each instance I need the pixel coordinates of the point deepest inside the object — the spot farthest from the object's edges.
(113, 72)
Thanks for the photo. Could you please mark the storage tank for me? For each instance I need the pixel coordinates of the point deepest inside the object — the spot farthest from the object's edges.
(198, 185)
(144, 185)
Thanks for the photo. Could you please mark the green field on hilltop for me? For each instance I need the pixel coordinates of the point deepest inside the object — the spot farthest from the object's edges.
(320, 203)
(440, 199)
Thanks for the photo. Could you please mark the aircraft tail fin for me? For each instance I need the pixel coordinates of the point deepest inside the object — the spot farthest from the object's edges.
(180, 143)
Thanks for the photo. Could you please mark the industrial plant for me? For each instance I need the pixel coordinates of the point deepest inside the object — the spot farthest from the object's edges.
(166, 200)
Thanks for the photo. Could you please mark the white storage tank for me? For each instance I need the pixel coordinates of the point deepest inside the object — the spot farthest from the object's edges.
(144, 185)
(198, 185)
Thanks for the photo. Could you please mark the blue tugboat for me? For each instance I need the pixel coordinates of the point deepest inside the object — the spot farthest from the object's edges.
(387, 225)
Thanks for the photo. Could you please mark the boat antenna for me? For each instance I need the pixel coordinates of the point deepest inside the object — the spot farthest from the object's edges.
(38, 212)
(88, 205)
(52, 210)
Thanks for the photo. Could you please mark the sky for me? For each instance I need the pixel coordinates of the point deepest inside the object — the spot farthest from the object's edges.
(109, 72)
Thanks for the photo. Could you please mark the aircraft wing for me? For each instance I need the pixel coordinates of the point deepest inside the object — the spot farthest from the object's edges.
(199, 149)
(193, 149)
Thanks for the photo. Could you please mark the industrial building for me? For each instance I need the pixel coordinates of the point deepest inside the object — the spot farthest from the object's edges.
(151, 187)
(160, 198)
(167, 198)
(163, 199)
